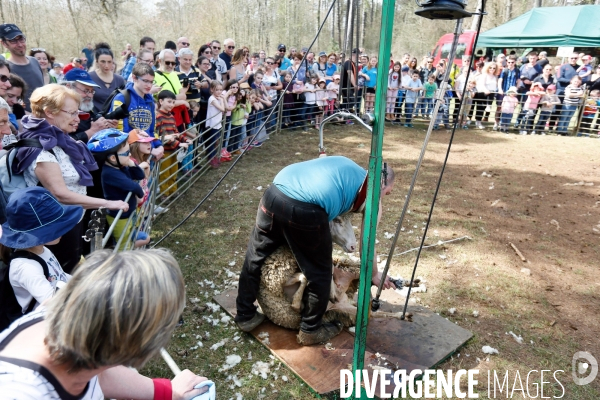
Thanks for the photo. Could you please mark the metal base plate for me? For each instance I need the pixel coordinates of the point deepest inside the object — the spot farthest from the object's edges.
(421, 344)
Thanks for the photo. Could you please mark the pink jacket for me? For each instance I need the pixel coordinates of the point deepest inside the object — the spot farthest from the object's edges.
(509, 103)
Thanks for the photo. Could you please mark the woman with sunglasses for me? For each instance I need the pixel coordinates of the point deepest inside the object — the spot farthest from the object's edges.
(273, 84)
(61, 165)
(103, 75)
(486, 89)
(45, 60)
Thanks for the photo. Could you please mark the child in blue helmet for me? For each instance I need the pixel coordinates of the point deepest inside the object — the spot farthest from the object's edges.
(119, 177)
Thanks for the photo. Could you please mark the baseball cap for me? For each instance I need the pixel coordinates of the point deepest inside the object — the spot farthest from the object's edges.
(10, 31)
(81, 76)
(512, 89)
(137, 135)
(321, 54)
(405, 68)
(245, 85)
(281, 46)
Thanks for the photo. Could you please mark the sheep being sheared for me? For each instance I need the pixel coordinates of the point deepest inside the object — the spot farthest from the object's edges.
(282, 283)
(276, 293)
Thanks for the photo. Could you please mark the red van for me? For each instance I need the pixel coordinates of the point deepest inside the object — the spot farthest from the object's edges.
(442, 48)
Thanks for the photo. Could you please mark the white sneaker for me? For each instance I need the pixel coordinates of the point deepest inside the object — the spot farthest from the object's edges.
(532, 133)
(523, 133)
(479, 125)
(160, 210)
(495, 127)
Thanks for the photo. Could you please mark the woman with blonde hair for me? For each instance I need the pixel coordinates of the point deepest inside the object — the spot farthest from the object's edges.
(60, 164)
(117, 311)
(486, 89)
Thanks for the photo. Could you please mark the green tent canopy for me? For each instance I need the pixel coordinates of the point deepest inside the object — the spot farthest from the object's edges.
(576, 26)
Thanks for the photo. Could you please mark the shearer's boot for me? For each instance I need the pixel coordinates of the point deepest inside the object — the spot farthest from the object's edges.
(327, 331)
(247, 326)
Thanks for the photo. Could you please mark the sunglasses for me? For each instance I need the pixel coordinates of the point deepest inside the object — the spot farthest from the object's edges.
(185, 44)
(125, 154)
(269, 62)
(37, 49)
(282, 50)
(170, 63)
(3, 78)
(231, 47)
(216, 48)
(207, 52)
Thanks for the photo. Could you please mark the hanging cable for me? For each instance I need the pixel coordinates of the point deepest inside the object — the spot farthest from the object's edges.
(375, 303)
(273, 108)
(439, 182)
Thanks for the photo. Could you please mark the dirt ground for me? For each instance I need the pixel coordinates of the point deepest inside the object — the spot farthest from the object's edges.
(540, 193)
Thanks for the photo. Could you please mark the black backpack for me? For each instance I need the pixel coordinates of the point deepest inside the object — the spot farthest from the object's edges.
(10, 309)
(109, 100)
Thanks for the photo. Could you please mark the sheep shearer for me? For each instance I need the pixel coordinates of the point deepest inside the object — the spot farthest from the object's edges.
(296, 209)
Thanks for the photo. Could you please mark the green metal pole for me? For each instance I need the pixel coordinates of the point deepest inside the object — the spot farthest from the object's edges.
(373, 190)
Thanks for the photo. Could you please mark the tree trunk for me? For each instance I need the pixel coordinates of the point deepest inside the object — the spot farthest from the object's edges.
(508, 10)
(537, 3)
(475, 21)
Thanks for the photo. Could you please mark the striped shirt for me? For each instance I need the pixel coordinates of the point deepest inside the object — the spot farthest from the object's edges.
(165, 125)
(570, 93)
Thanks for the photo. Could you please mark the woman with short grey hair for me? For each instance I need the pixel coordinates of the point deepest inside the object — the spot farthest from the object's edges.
(117, 311)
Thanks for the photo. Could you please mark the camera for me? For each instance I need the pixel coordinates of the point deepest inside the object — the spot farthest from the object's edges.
(191, 82)
(118, 113)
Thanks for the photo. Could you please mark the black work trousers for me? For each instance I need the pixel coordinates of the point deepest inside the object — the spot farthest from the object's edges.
(305, 228)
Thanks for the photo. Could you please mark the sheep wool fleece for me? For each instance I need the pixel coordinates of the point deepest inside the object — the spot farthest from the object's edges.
(304, 226)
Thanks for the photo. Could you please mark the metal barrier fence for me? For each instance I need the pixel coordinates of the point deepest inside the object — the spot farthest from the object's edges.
(178, 170)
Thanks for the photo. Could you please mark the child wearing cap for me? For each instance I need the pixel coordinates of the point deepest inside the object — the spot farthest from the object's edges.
(509, 103)
(35, 219)
(333, 88)
(548, 102)
(585, 71)
(534, 95)
(405, 79)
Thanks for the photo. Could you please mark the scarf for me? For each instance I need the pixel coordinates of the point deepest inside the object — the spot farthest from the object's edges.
(50, 137)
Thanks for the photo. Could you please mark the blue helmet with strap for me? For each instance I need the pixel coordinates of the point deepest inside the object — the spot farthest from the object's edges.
(107, 141)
